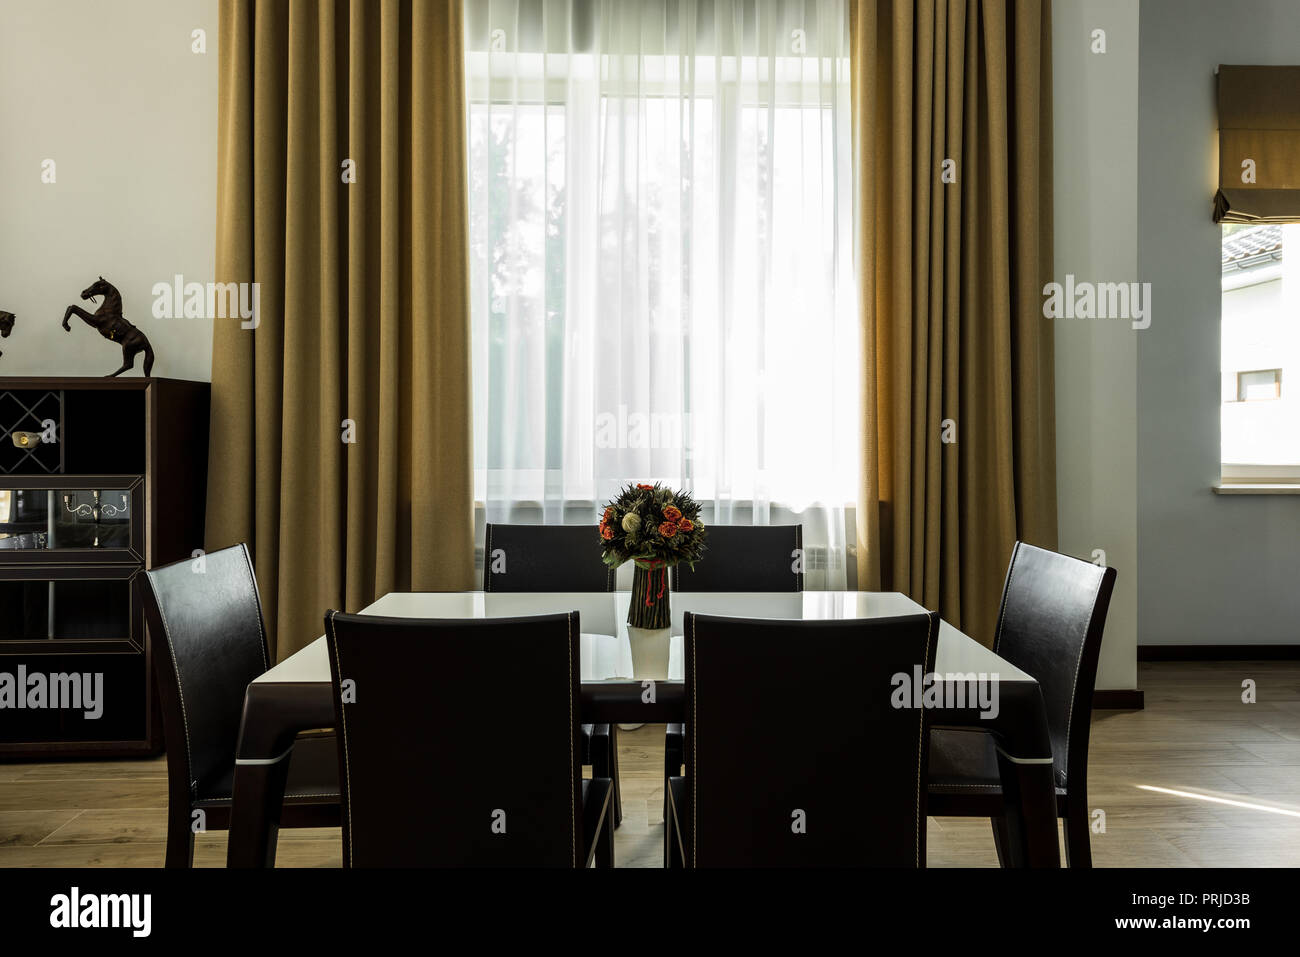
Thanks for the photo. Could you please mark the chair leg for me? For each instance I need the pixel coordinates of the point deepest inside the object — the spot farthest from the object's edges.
(605, 853)
(672, 768)
(668, 830)
(1078, 835)
(616, 816)
(1002, 841)
(672, 840)
(604, 764)
(180, 838)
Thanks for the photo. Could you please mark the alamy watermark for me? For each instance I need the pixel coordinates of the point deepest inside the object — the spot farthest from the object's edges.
(1098, 300)
(947, 691)
(213, 300)
(76, 909)
(642, 430)
(57, 691)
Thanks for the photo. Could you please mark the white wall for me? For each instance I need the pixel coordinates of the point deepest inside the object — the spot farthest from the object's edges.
(1096, 143)
(113, 94)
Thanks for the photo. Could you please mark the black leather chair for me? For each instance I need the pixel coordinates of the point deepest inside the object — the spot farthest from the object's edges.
(746, 558)
(1050, 626)
(849, 789)
(739, 558)
(532, 558)
(413, 797)
(544, 558)
(209, 643)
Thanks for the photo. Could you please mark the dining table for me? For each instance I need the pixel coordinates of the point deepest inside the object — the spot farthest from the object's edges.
(296, 695)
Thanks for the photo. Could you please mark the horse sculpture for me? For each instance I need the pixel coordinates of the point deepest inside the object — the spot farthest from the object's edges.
(108, 321)
(6, 325)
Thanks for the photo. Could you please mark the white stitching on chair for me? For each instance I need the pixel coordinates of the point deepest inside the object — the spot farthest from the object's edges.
(573, 823)
(695, 755)
(1006, 592)
(261, 635)
(1078, 665)
(287, 793)
(180, 691)
(343, 735)
(920, 742)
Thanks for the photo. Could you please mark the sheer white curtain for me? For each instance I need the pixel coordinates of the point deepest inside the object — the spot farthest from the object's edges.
(661, 260)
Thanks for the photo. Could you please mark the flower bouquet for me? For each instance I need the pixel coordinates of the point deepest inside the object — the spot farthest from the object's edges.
(655, 527)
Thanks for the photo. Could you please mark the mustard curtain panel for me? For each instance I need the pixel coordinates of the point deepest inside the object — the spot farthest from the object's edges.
(953, 159)
(340, 443)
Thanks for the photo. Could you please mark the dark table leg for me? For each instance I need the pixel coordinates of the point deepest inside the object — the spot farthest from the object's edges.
(255, 813)
(1024, 745)
(274, 713)
(1029, 791)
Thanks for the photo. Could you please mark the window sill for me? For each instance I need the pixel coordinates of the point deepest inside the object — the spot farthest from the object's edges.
(1255, 488)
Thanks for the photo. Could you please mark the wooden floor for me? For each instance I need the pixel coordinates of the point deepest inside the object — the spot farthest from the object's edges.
(1195, 737)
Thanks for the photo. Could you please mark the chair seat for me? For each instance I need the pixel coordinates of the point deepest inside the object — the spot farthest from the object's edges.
(313, 774)
(964, 779)
(962, 761)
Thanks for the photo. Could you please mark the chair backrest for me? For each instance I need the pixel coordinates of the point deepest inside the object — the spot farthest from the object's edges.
(414, 702)
(544, 558)
(1050, 625)
(205, 620)
(799, 753)
(746, 558)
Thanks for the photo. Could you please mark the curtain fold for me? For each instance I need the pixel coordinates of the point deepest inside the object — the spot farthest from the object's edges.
(952, 131)
(342, 195)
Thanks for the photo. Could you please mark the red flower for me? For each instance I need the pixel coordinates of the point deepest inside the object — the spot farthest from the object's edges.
(643, 485)
(609, 515)
(606, 532)
(686, 525)
(673, 514)
(667, 529)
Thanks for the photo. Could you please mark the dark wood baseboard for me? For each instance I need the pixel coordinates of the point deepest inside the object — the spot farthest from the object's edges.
(1218, 652)
(1119, 700)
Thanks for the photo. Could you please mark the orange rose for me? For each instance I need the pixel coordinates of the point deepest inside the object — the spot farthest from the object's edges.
(686, 525)
(667, 529)
(673, 514)
(606, 532)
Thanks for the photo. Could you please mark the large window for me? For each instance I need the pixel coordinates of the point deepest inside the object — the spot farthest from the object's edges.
(1261, 353)
(661, 261)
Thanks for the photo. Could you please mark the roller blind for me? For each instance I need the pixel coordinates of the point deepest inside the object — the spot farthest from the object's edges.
(1259, 145)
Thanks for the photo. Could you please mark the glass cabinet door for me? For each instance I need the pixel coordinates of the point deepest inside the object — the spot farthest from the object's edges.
(61, 609)
(91, 521)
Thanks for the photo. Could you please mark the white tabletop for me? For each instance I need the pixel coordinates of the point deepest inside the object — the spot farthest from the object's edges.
(605, 653)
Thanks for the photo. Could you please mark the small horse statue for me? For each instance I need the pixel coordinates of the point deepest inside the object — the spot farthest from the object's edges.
(107, 319)
(6, 325)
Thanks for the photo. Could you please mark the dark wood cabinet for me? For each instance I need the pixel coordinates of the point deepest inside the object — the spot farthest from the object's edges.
(99, 480)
